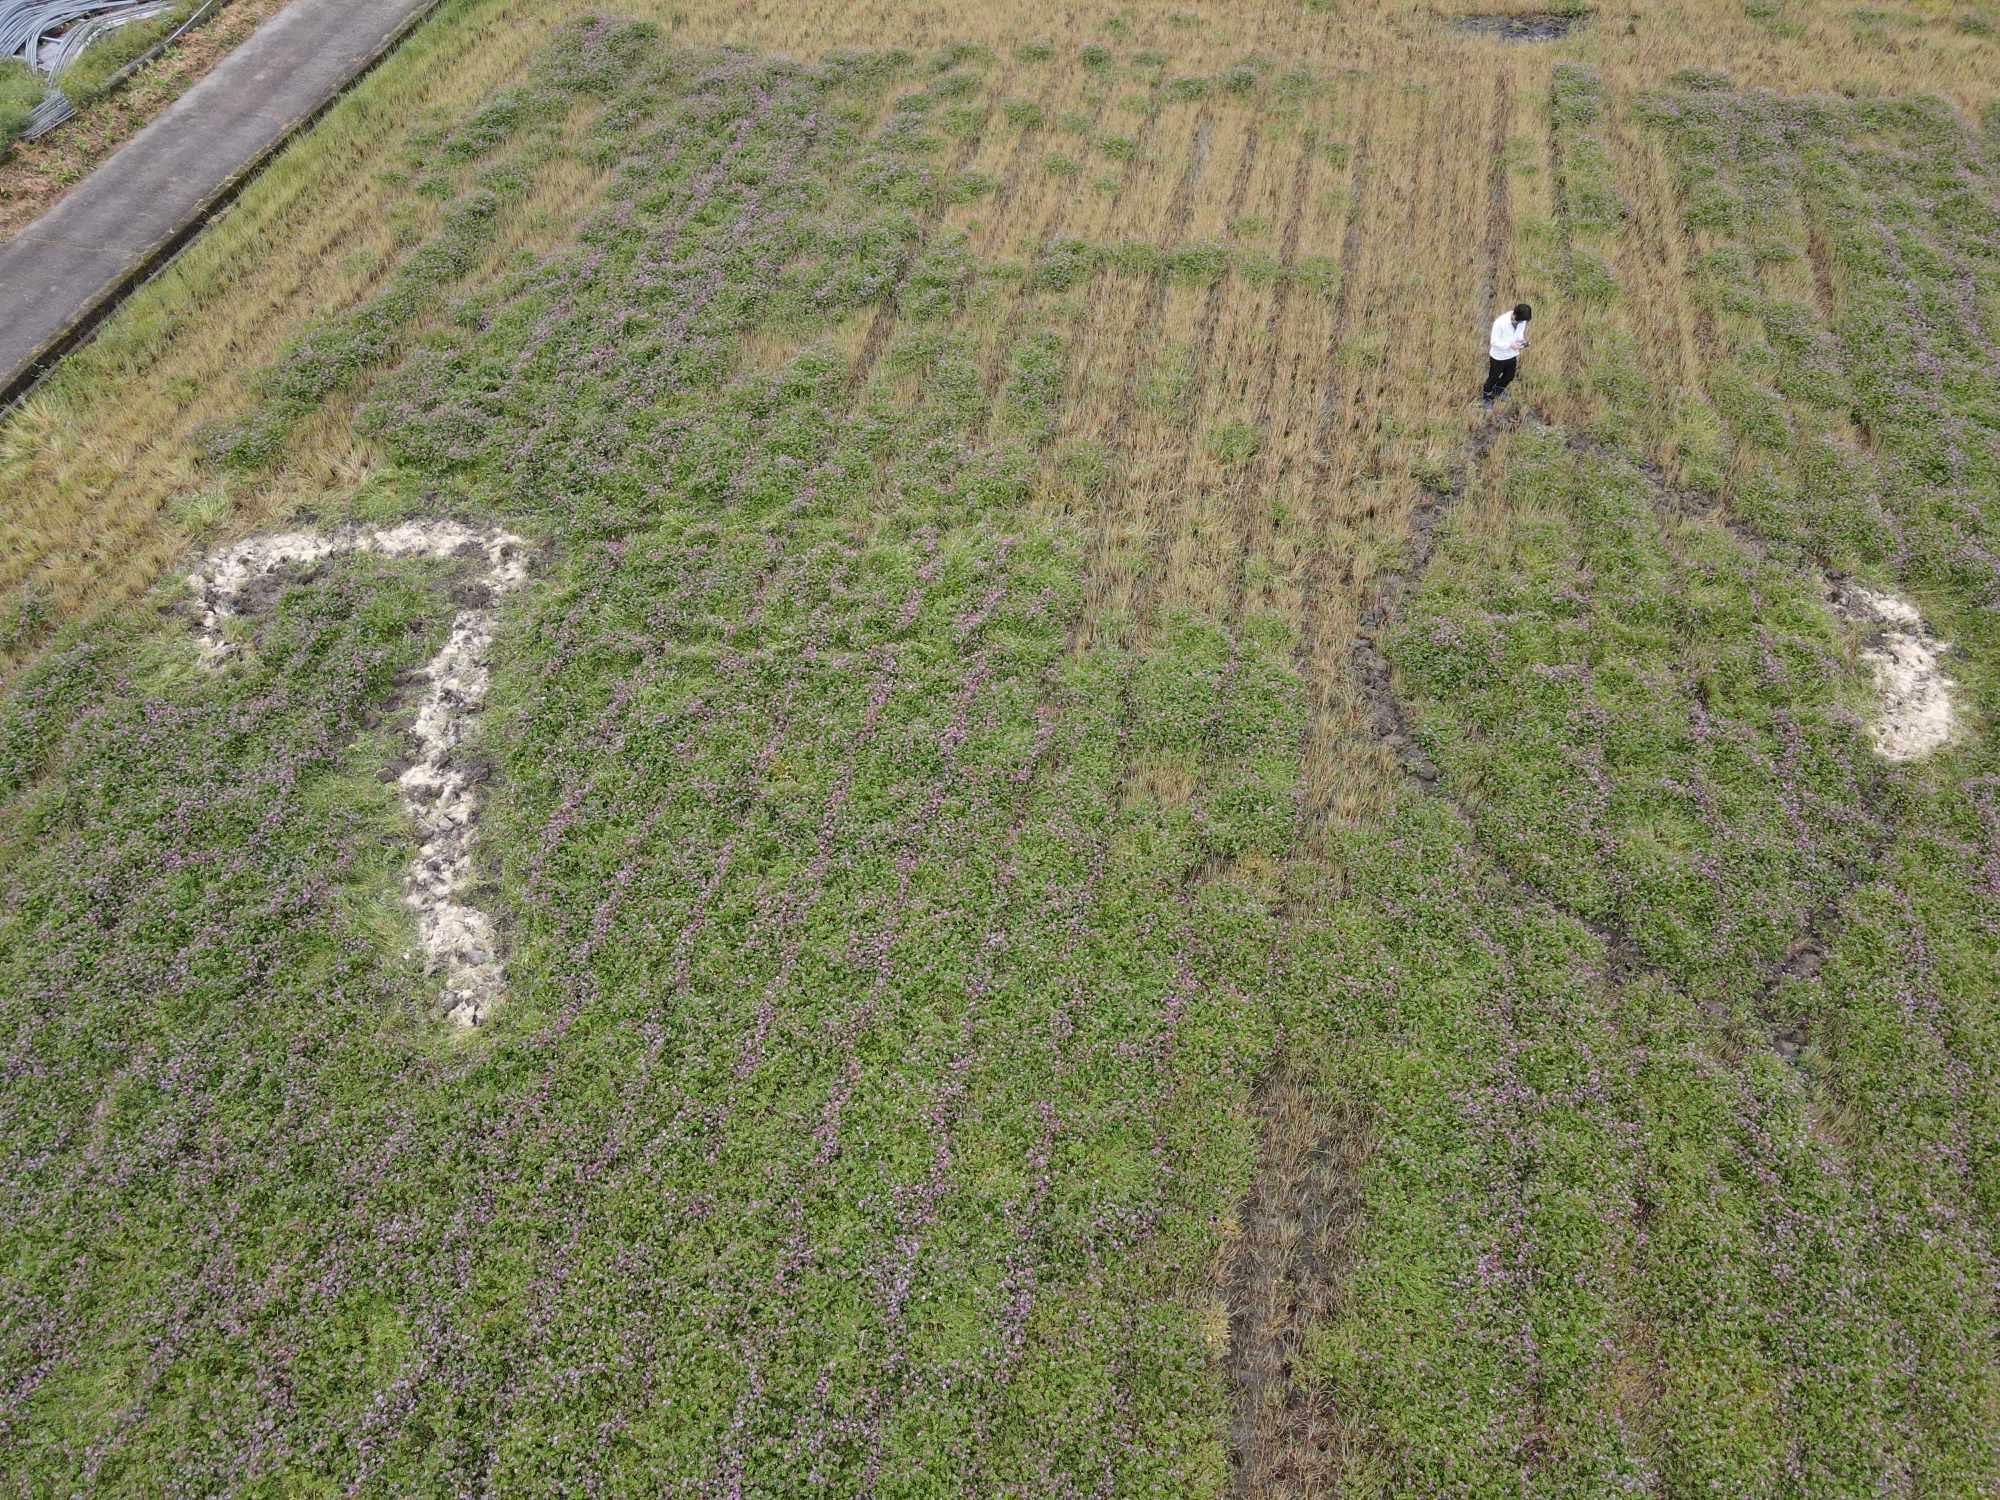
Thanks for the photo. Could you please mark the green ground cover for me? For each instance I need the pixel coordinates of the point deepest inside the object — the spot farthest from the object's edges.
(20, 92)
(1650, 722)
(891, 981)
(879, 1192)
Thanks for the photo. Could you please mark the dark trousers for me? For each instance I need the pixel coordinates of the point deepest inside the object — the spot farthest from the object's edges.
(1499, 375)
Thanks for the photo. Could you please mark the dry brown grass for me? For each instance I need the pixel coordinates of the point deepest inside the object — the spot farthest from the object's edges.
(98, 466)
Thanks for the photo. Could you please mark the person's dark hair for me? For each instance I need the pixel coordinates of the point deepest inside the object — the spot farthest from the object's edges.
(1522, 312)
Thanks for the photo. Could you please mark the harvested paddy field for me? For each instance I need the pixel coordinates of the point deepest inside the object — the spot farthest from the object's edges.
(816, 749)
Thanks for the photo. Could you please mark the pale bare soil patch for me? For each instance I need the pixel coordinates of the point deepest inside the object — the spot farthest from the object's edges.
(439, 788)
(1917, 714)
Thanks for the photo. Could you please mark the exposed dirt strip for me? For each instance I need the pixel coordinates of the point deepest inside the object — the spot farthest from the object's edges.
(1289, 1265)
(1285, 1280)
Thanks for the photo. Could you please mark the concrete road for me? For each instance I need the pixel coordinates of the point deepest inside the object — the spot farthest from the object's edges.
(61, 273)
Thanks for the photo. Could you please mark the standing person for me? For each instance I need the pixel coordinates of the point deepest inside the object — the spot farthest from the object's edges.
(1504, 346)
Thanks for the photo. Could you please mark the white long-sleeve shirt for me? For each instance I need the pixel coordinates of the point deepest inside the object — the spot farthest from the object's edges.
(1509, 338)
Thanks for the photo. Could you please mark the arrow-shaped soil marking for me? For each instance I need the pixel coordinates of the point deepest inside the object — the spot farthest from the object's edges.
(458, 939)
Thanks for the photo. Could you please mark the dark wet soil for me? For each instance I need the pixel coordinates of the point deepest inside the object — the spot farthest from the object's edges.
(1531, 26)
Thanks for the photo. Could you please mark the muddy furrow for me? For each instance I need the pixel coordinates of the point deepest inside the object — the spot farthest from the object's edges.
(1295, 1228)
(1305, 1198)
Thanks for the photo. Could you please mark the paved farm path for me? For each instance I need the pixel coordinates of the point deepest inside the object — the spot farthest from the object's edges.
(67, 268)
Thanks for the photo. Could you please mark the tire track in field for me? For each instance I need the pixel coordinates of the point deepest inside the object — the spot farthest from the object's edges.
(1304, 1194)
(1642, 1390)
(1305, 1197)
(1390, 723)
(1101, 282)
(1668, 501)
(1626, 961)
(1295, 1230)
(1186, 985)
(1811, 942)
(1285, 1269)
(889, 309)
(1180, 210)
(1022, 302)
